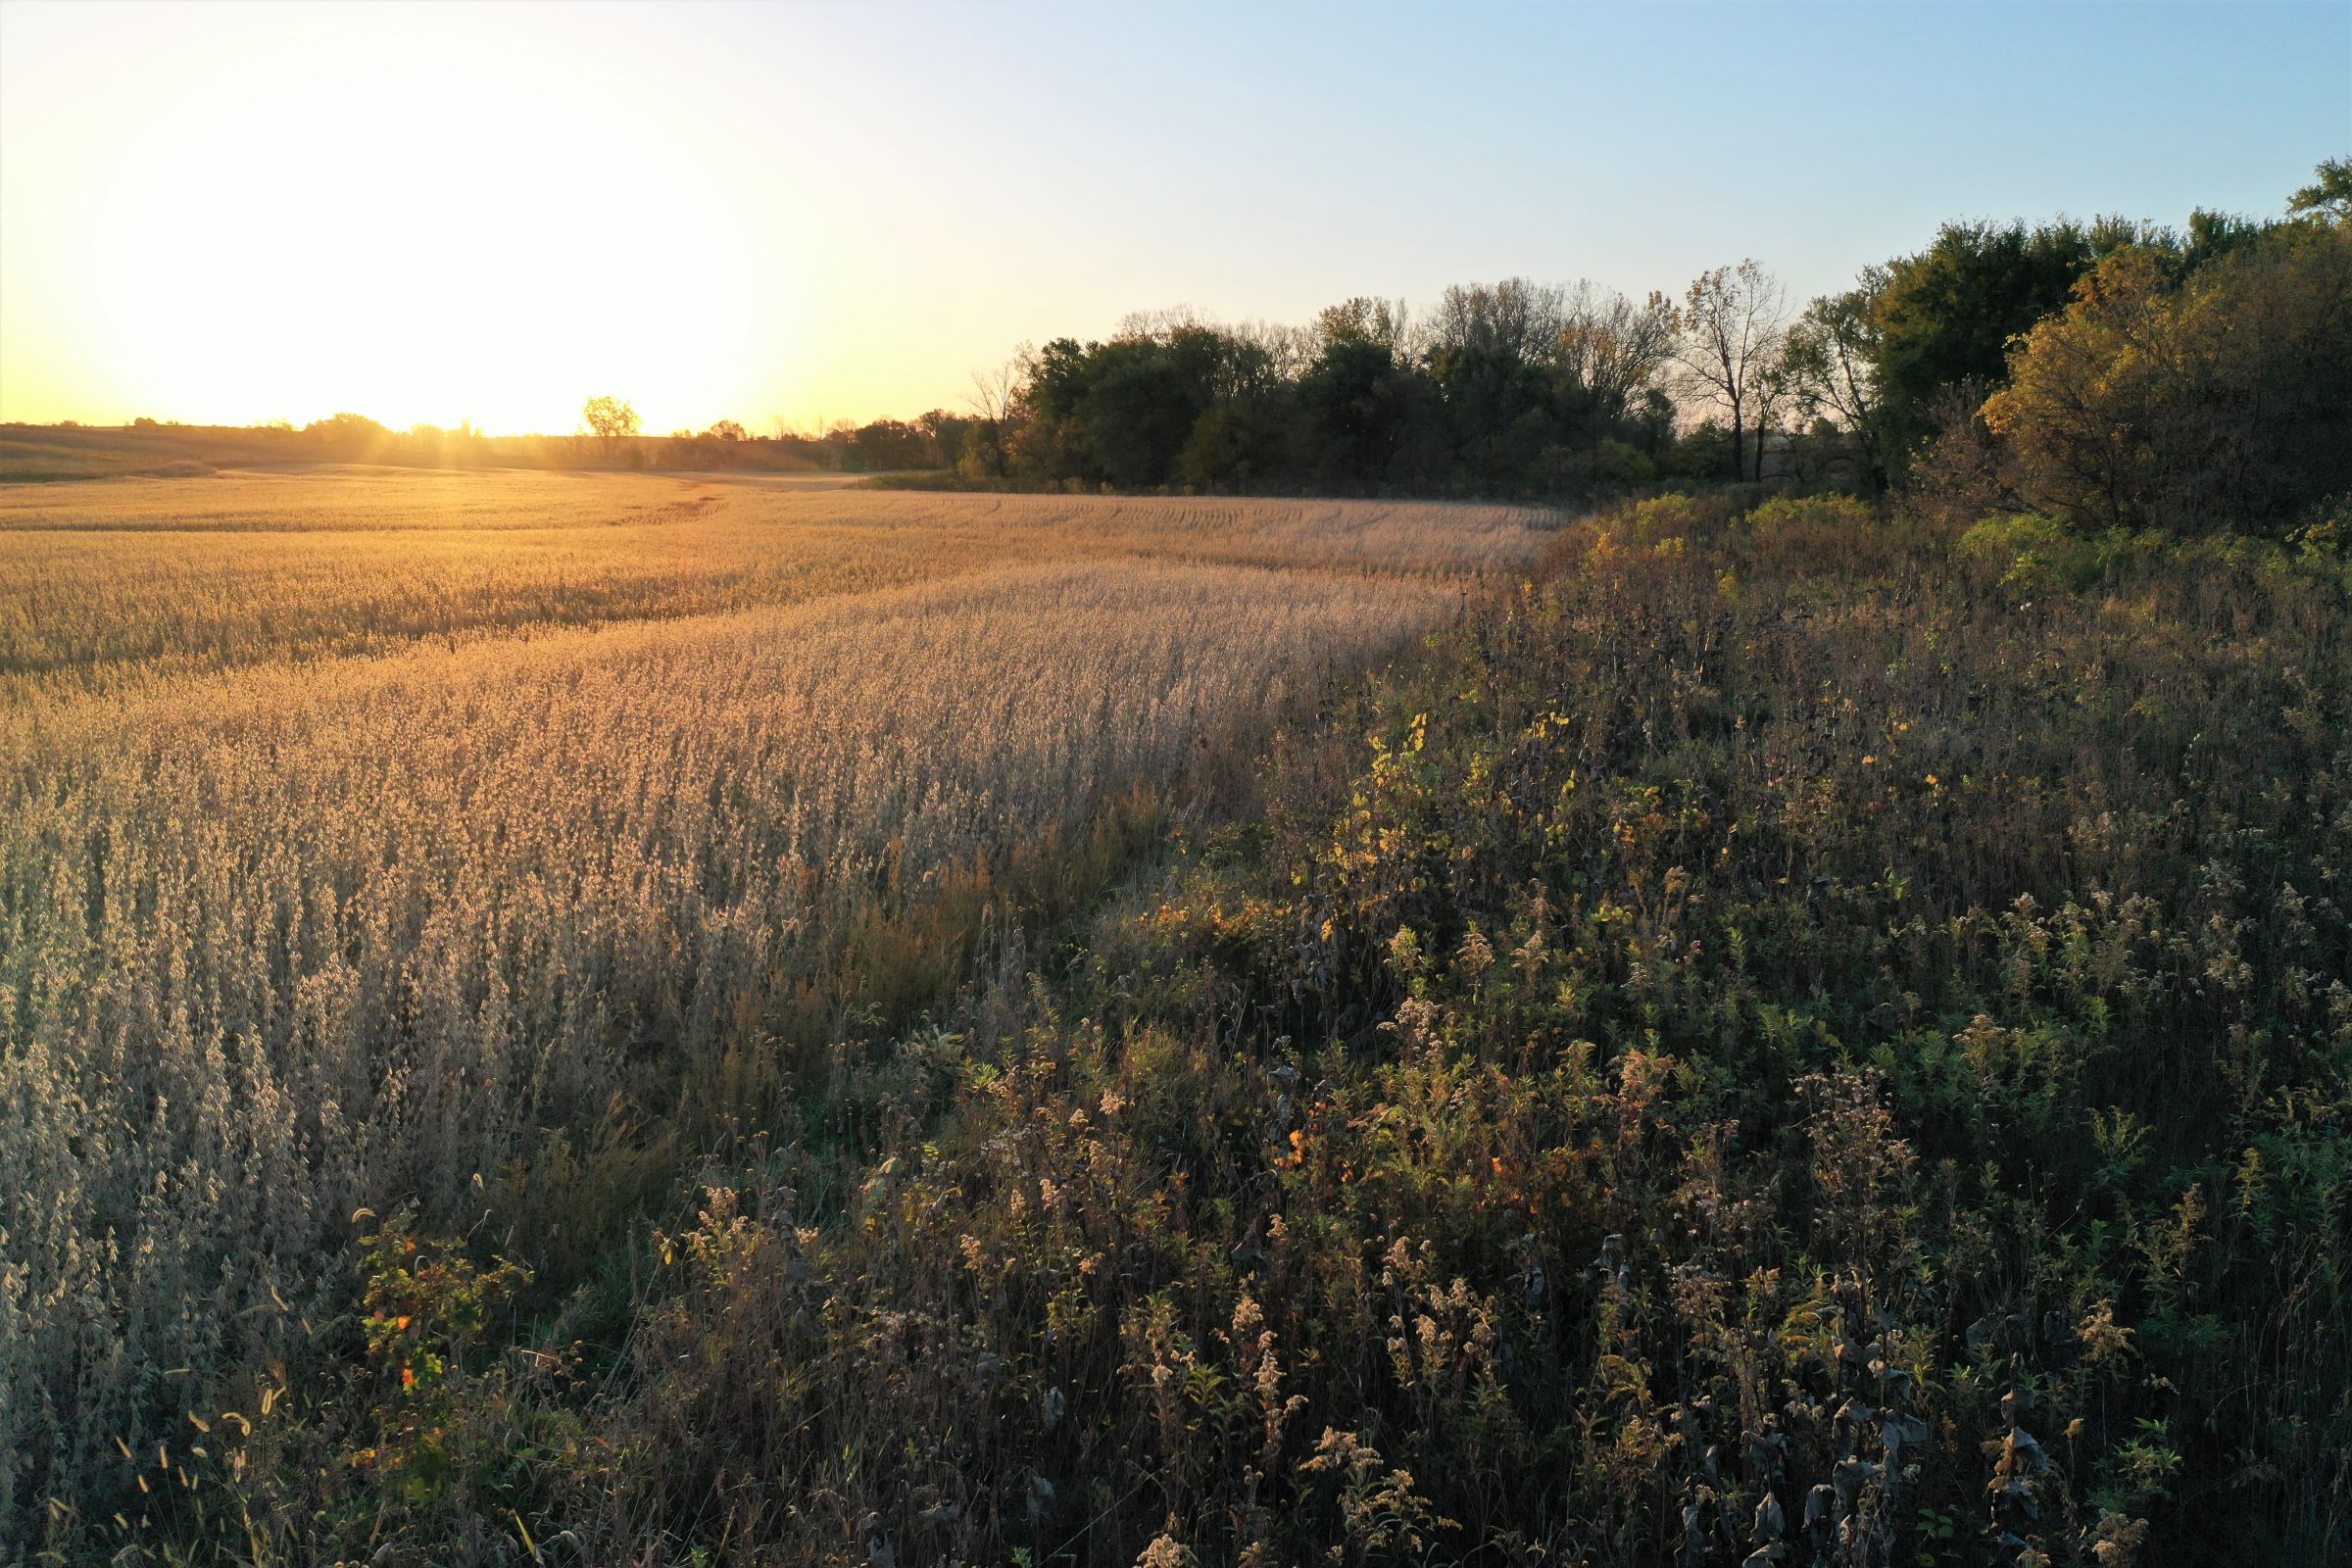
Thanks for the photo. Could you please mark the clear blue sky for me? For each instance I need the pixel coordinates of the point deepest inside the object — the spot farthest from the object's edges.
(838, 210)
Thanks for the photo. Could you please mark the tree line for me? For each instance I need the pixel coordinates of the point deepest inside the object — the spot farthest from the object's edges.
(2114, 372)
(2111, 374)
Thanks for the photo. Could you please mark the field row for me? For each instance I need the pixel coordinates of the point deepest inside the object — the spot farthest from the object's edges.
(282, 942)
(98, 578)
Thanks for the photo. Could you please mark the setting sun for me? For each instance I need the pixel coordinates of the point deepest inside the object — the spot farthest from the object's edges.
(813, 211)
(419, 216)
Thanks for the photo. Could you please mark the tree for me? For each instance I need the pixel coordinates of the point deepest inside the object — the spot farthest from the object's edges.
(612, 422)
(348, 432)
(1140, 411)
(879, 446)
(993, 399)
(1282, 352)
(1489, 350)
(2327, 199)
(1354, 401)
(1946, 315)
(1230, 445)
(2219, 403)
(1728, 337)
(1608, 350)
(1829, 367)
(714, 448)
(2083, 378)
(1363, 319)
(1514, 322)
(1124, 411)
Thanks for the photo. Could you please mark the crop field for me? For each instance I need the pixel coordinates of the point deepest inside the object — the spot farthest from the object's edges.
(196, 574)
(365, 836)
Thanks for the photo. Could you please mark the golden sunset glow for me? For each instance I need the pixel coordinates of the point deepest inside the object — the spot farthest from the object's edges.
(439, 211)
(423, 223)
(1175, 783)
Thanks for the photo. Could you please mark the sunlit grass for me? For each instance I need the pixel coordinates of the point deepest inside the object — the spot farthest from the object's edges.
(282, 935)
(194, 574)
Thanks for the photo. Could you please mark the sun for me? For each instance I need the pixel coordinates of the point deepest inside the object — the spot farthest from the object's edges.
(412, 226)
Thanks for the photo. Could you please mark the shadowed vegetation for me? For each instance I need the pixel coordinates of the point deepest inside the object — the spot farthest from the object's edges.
(1694, 1064)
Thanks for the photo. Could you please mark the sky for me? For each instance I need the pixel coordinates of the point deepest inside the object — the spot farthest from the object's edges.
(434, 212)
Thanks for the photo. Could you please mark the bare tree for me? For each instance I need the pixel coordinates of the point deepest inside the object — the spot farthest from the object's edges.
(995, 396)
(1730, 335)
(1611, 347)
(1161, 324)
(1288, 349)
(992, 391)
(1513, 320)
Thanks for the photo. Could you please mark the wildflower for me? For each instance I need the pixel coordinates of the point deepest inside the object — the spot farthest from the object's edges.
(2102, 1337)
(1165, 1551)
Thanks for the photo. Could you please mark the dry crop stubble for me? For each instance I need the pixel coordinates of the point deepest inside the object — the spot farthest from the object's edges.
(282, 935)
(196, 573)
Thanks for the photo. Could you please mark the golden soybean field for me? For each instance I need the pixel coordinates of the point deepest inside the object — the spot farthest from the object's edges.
(362, 832)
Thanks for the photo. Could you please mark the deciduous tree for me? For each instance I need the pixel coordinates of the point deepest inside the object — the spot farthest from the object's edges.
(1728, 337)
(612, 422)
(1831, 370)
(2220, 403)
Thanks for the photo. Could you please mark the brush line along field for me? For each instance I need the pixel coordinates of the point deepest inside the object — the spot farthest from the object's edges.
(362, 834)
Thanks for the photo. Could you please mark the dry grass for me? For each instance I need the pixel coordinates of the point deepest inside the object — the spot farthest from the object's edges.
(1791, 1044)
(252, 567)
(281, 935)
